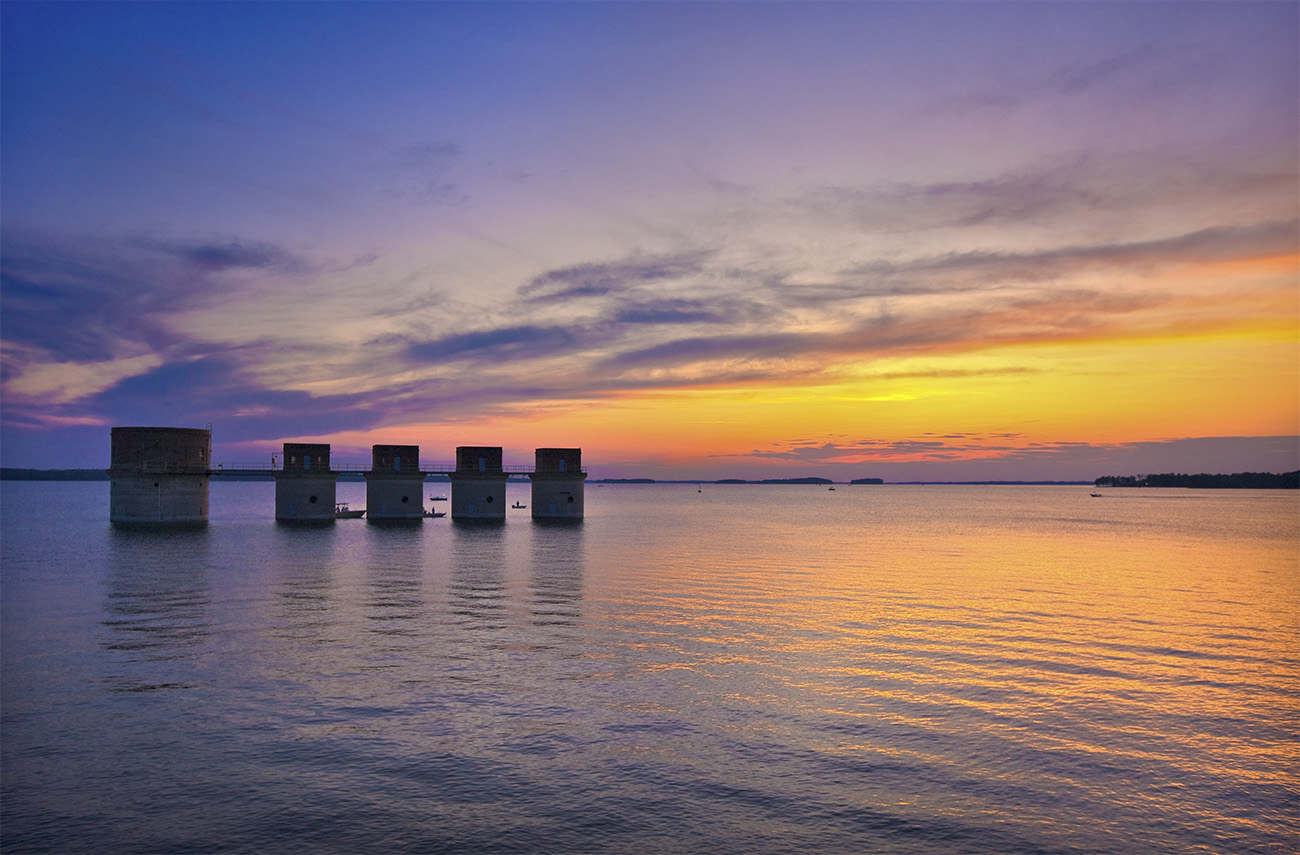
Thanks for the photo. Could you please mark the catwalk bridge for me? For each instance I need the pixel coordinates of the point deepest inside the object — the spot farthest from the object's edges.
(160, 476)
(424, 468)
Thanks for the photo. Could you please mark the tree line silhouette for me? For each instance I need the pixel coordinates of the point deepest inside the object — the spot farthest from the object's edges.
(1239, 480)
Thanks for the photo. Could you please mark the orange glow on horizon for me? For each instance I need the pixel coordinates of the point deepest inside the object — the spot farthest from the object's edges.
(1229, 382)
(1212, 349)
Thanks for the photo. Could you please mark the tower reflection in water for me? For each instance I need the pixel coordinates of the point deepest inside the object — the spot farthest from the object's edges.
(156, 607)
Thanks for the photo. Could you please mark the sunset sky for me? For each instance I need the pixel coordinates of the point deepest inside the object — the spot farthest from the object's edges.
(903, 240)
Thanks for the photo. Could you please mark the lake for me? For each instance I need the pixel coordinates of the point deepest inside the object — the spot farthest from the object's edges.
(733, 669)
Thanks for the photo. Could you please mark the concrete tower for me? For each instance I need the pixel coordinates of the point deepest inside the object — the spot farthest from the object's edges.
(394, 484)
(558, 484)
(305, 487)
(478, 486)
(159, 476)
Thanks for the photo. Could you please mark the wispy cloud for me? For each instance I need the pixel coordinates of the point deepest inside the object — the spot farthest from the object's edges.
(973, 456)
(671, 312)
(422, 174)
(93, 300)
(507, 344)
(227, 255)
(1141, 66)
(1075, 191)
(606, 279)
(1059, 315)
(218, 389)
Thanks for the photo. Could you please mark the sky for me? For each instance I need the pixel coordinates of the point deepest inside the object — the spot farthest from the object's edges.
(917, 241)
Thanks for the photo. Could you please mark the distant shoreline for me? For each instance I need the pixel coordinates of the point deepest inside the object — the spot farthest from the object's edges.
(1204, 481)
(1241, 480)
(13, 474)
(21, 474)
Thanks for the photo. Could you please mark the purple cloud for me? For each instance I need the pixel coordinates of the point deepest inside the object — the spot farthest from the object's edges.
(507, 344)
(604, 279)
(216, 257)
(218, 390)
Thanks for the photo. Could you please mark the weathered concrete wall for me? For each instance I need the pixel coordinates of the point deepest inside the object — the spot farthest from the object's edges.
(180, 500)
(305, 498)
(161, 449)
(394, 498)
(557, 461)
(478, 497)
(481, 459)
(306, 456)
(558, 500)
(395, 459)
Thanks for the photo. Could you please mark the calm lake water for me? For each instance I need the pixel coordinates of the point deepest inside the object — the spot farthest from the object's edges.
(747, 669)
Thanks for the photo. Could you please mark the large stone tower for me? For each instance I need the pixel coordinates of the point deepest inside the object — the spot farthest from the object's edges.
(159, 476)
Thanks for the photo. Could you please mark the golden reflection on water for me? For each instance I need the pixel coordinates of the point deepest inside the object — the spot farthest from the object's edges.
(1119, 649)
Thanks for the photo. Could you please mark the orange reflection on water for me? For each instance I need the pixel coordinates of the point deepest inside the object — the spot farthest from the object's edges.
(1135, 650)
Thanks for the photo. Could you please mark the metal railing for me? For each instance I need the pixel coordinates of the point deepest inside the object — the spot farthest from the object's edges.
(425, 469)
(162, 468)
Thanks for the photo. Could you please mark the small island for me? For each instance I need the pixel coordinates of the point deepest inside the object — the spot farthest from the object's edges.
(796, 481)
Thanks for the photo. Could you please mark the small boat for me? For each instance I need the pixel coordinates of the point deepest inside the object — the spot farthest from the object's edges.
(435, 513)
(343, 512)
(1095, 495)
(519, 505)
(832, 489)
(437, 498)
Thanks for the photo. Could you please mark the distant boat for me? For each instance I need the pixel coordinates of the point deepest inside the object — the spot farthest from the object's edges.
(435, 513)
(830, 488)
(437, 498)
(518, 505)
(343, 512)
(1095, 495)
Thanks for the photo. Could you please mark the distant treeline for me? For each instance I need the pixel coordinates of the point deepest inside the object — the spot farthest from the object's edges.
(1239, 480)
(12, 474)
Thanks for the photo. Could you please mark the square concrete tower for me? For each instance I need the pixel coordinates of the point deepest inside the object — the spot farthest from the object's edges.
(478, 486)
(558, 484)
(305, 488)
(394, 484)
